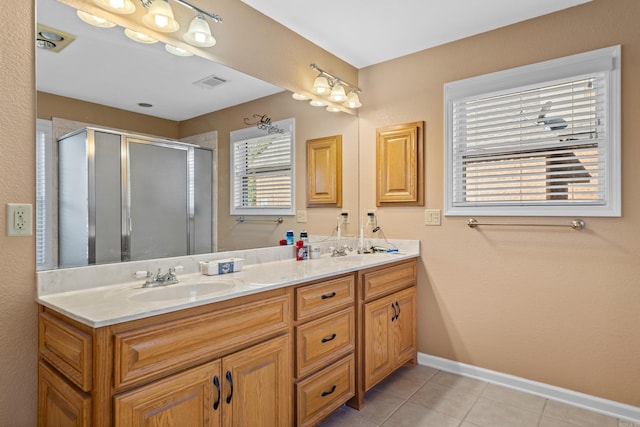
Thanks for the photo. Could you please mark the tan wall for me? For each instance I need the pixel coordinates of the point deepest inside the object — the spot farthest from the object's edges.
(552, 305)
(311, 123)
(18, 328)
(50, 106)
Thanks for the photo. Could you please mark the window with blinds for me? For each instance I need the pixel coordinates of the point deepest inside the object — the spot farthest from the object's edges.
(545, 147)
(262, 174)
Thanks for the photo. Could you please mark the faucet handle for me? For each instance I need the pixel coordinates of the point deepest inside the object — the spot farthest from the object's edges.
(142, 274)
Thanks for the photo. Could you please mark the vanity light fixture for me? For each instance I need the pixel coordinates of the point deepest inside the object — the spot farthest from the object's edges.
(160, 17)
(334, 88)
(121, 7)
(178, 51)
(199, 33)
(139, 37)
(299, 96)
(96, 21)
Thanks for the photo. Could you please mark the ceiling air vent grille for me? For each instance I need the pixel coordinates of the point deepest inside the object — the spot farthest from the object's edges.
(210, 82)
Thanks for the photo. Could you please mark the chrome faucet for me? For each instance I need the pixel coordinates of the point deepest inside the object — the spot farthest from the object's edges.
(341, 251)
(159, 279)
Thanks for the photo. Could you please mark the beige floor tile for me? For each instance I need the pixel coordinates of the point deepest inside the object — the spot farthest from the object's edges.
(412, 415)
(347, 416)
(401, 384)
(418, 372)
(379, 406)
(459, 383)
(622, 423)
(514, 397)
(449, 401)
(577, 416)
(554, 422)
(490, 413)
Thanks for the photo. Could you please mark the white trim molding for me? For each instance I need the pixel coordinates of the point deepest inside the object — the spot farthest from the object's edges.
(570, 397)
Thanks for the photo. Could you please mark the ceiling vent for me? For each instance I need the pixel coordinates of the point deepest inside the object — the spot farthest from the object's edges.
(53, 40)
(210, 82)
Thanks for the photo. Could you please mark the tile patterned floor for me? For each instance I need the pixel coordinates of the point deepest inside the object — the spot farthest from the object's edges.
(419, 396)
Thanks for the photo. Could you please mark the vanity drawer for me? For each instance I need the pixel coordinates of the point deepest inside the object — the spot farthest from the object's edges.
(152, 352)
(321, 341)
(66, 348)
(324, 392)
(389, 279)
(324, 297)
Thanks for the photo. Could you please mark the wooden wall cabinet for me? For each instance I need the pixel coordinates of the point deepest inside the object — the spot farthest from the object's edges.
(324, 172)
(400, 165)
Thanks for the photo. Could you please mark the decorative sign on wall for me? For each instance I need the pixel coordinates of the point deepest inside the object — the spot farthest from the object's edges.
(263, 122)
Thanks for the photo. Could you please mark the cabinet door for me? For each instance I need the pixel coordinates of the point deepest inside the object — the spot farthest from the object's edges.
(378, 362)
(60, 404)
(257, 389)
(404, 327)
(191, 398)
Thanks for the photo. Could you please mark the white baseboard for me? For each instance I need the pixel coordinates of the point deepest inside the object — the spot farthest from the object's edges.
(585, 401)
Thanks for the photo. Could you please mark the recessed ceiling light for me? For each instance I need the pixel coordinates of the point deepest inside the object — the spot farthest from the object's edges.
(50, 35)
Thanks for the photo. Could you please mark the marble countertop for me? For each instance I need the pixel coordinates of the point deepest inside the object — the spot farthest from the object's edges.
(120, 302)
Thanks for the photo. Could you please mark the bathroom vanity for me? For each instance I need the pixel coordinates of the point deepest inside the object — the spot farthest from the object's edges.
(280, 343)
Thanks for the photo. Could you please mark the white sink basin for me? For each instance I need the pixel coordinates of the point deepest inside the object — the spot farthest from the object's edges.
(181, 291)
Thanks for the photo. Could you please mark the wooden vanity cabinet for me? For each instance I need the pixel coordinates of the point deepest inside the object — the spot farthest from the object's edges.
(278, 358)
(244, 388)
(171, 369)
(387, 332)
(325, 348)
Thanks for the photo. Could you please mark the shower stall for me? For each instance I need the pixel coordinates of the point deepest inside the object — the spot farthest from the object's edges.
(125, 197)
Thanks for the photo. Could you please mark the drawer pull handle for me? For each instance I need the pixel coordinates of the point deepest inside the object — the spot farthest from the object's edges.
(333, 336)
(230, 379)
(398, 305)
(326, 393)
(327, 296)
(216, 382)
(395, 315)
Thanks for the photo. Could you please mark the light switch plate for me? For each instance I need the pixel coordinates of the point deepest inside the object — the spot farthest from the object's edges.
(432, 217)
(19, 219)
(301, 216)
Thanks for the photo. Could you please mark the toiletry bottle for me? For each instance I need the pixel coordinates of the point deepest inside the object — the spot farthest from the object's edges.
(299, 250)
(304, 237)
(289, 237)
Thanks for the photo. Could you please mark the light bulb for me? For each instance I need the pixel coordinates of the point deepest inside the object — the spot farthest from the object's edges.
(317, 103)
(178, 51)
(160, 17)
(96, 21)
(353, 101)
(299, 96)
(337, 93)
(332, 109)
(199, 33)
(320, 85)
(122, 7)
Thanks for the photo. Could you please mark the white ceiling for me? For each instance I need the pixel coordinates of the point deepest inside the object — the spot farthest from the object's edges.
(367, 32)
(105, 67)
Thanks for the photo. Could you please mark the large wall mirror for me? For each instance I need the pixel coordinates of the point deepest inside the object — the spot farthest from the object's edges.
(105, 80)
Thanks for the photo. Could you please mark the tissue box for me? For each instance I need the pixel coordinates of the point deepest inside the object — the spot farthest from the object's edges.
(221, 266)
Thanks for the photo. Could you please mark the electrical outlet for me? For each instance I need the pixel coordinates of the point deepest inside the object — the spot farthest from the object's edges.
(301, 216)
(345, 216)
(372, 217)
(19, 222)
(432, 217)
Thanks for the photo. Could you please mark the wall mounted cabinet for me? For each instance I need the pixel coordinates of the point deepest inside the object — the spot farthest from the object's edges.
(400, 165)
(324, 172)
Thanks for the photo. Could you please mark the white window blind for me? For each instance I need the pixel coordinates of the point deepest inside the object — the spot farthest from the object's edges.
(546, 148)
(262, 172)
(44, 179)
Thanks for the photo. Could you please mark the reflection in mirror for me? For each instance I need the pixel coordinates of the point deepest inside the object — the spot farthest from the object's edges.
(103, 79)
